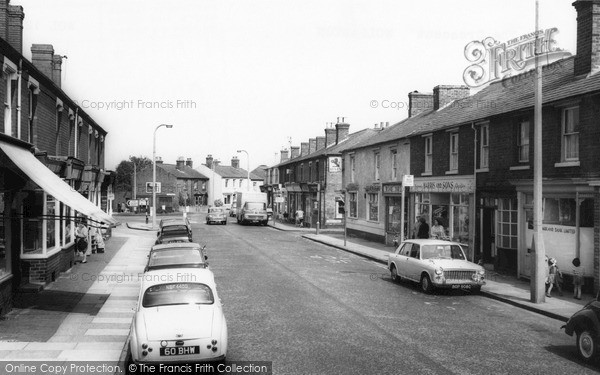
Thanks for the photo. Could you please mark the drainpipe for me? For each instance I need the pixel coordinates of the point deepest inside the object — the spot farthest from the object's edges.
(75, 130)
(19, 73)
(475, 193)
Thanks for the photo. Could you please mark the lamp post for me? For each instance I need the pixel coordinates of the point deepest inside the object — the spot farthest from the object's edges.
(154, 173)
(248, 158)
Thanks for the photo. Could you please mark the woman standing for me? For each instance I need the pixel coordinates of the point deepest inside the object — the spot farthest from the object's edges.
(437, 230)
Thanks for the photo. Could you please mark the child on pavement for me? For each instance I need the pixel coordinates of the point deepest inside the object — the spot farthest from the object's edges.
(553, 278)
(577, 278)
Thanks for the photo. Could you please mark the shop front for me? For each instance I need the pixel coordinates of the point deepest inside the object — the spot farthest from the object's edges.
(392, 194)
(567, 226)
(449, 201)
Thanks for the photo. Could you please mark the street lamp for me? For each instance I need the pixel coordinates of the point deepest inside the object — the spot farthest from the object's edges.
(154, 174)
(248, 158)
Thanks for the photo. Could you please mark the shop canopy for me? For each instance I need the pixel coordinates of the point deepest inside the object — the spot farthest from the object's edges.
(52, 184)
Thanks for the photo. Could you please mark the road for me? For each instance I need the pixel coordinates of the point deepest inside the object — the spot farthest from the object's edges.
(312, 309)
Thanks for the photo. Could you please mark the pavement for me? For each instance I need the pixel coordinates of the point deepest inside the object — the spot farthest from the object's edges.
(86, 313)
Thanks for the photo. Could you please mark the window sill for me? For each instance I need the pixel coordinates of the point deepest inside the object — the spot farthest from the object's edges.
(519, 168)
(565, 164)
(451, 172)
(480, 170)
(426, 174)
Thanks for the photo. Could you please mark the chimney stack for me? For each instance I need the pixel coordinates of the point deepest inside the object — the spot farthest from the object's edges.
(342, 130)
(303, 148)
(159, 160)
(312, 145)
(4, 19)
(57, 69)
(587, 59)
(419, 102)
(235, 162)
(330, 134)
(444, 94)
(320, 143)
(14, 32)
(189, 163)
(209, 161)
(295, 152)
(180, 163)
(284, 156)
(42, 58)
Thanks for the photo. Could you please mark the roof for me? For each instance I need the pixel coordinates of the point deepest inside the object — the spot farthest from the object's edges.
(260, 171)
(501, 97)
(352, 141)
(227, 171)
(186, 172)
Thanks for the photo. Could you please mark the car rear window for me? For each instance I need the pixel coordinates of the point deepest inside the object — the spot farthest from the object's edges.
(215, 210)
(175, 256)
(175, 228)
(177, 294)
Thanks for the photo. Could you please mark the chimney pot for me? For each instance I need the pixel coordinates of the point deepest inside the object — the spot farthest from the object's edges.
(189, 163)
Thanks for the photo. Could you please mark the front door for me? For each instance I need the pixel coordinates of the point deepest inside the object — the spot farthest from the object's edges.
(488, 234)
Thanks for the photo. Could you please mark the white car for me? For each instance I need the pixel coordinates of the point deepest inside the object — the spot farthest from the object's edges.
(435, 264)
(179, 318)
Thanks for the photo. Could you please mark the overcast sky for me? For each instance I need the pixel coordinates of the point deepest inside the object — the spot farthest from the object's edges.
(251, 74)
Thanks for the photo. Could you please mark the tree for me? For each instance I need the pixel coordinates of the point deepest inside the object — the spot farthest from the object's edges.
(124, 178)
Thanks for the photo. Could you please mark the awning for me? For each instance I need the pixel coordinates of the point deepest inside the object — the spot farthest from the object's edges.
(52, 184)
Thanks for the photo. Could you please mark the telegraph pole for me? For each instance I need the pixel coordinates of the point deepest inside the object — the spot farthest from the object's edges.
(538, 283)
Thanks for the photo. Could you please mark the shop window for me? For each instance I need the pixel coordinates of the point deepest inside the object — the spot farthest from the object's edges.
(570, 134)
(393, 217)
(559, 211)
(373, 207)
(507, 224)
(50, 214)
(32, 234)
(353, 204)
(4, 260)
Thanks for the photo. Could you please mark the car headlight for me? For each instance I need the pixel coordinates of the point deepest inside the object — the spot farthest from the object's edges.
(439, 271)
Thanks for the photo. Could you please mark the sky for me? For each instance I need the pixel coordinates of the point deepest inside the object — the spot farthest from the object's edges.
(257, 75)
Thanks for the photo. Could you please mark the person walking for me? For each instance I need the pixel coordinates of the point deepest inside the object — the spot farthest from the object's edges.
(553, 275)
(423, 228)
(81, 241)
(577, 278)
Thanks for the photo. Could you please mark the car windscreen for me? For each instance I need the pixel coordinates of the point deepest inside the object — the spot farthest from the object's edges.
(255, 206)
(442, 251)
(177, 294)
(174, 256)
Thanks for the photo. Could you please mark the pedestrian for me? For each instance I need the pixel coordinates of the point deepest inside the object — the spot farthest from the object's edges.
(554, 275)
(437, 230)
(299, 217)
(81, 241)
(577, 278)
(423, 228)
(416, 227)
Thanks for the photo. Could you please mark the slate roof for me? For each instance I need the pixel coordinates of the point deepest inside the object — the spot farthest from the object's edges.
(508, 95)
(185, 173)
(227, 171)
(352, 141)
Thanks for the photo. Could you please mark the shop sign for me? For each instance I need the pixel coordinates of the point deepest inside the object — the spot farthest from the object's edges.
(443, 186)
(335, 164)
(392, 189)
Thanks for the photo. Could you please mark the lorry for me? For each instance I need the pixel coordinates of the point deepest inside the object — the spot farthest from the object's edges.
(251, 207)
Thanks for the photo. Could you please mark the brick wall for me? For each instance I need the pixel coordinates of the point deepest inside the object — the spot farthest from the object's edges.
(5, 297)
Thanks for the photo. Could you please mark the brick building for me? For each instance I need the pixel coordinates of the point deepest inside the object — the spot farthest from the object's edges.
(51, 165)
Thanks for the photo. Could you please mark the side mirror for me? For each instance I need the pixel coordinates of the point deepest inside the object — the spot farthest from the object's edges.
(206, 257)
(157, 234)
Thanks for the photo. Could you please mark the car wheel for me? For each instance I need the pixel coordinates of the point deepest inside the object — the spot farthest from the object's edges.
(426, 285)
(587, 345)
(394, 274)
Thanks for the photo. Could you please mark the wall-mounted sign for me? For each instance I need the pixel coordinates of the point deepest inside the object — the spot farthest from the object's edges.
(444, 185)
(335, 164)
(149, 187)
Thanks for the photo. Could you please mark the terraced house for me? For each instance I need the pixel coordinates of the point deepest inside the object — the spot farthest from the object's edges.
(51, 165)
(473, 165)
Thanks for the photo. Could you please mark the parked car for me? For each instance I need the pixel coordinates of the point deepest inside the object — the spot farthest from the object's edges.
(216, 215)
(176, 221)
(585, 324)
(179, 318)
(173, 232)
(177, 255)
(435, 264)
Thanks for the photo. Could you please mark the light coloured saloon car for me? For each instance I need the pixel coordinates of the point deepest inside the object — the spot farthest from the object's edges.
(179, 318)
(435, 264)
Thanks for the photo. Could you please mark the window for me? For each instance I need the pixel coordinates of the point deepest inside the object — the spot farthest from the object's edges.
(394, 157)
(484, 146)
(507, 224)
(352, 167)
(570, 134)
(454, 151)
(241, 184)
(89, 150)
(353, 204)
(32, 232)
(57, 142)
(373, 207)
(561, 211)
(428, 154)
(524, 142)
(4, 254)
(377, 164)
(301, 173)
(9, 73)
(32, 107)
(310, 172)
(459, 206)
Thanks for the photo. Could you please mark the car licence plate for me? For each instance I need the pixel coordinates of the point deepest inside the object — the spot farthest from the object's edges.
(461, 286)
(180, 350)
